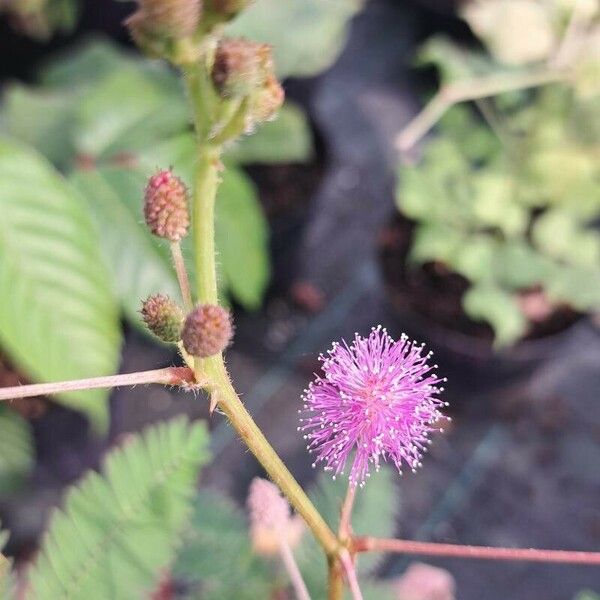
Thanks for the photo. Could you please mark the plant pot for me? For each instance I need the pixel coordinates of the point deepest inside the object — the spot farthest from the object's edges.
(462, 348)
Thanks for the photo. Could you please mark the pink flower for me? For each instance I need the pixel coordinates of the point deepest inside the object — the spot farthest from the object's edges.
(376, 397)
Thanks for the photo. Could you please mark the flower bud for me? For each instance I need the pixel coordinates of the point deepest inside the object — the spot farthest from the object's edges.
(241, 67)
(270, 520)
(156, 23)
(166, 206)
(207, 330)
(266, 102)
(163, 317)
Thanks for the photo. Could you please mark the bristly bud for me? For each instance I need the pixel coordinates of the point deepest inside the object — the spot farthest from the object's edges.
(225, 10)
(166, 206)
(157, 23)
(241, 67)
(207, 330)
(270, 519)
(163, 317)
(266, 102)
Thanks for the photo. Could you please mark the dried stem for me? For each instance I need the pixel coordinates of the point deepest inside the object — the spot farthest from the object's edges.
(182, 276)
(370, 544)
(345, 529)
(168, 376)
(293, 571)
(470, 90)
(350, 571)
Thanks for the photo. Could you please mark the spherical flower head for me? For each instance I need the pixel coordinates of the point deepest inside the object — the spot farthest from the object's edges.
(163, 317)
(166, 206)
(207, 330)
(377, 398)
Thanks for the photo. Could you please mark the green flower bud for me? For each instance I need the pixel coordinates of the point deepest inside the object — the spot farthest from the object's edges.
(207, 330)
(163, 317)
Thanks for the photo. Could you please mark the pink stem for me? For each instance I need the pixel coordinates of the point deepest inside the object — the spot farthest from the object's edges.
(370, 544)
(345, 530)
(168, 376)
(292, 569)
(351, 575)
(182, 276)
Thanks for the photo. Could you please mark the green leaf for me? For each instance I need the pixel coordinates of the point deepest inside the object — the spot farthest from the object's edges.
(7, 582)
(140, 263)
(287, 139)
(242, 239)
(42, 119)
(16, 450)
(575, 286)
(120, 103)
(436, 242)
(217, 555)
(558, 234)
(58, 318)
(587, 595)
(308, 46)
(489, 303)
(118, 531)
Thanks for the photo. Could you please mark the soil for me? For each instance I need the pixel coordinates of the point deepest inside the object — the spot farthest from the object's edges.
(434, 292)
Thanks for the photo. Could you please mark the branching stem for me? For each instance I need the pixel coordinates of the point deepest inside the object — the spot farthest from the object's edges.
(168, 376)
(370, 544)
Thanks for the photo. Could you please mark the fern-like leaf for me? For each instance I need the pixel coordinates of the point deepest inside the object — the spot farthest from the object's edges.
(16, 449)
(118, 531)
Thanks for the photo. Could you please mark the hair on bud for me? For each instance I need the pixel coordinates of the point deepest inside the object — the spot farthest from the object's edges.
(266, 102)
(166, 206)
(163, 317)
(241, 67)
(207, 330)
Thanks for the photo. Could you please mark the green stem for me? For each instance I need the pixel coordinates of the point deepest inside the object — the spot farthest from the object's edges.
(213, 368)
(206, 182)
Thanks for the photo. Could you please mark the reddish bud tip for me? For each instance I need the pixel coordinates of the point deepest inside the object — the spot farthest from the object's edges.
(163, 317)
(227, 9)
(266, 102)
(207, 330)
(166, 206)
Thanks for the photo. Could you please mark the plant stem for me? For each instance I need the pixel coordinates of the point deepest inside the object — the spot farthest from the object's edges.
(292, 569)
(370, 544)
(206, 182)
(255, 440)
(345, 529)
(182, 276)
(169, 376)
(348, 565)
(213, 369)
(335, 581)
(470, 90)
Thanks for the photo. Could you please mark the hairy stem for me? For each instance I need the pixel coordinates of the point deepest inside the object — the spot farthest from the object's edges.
(169, 376)
(289, 562)
(182, 276)
(370, 544)
(470, 90)
(213, 368)
(345, 529)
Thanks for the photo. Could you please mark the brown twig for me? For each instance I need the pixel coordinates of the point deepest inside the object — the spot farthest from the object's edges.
(168, 376)
(371, 544)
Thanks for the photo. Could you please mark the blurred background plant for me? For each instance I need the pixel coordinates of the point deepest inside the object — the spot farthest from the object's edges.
(79, 146)
(502, 209)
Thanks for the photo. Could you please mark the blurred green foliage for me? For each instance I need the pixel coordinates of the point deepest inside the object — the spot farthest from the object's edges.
(118, 532)
(509, 199)
(217, 559)
(106, 119)
(17, 451)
